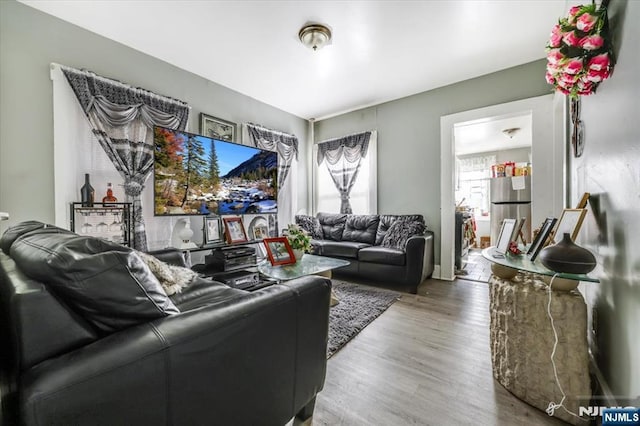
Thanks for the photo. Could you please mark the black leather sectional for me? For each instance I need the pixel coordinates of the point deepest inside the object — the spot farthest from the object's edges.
(403, 261)
(88, 338)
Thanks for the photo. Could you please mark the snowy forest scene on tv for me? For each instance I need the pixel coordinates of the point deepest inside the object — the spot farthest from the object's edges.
(198, 175)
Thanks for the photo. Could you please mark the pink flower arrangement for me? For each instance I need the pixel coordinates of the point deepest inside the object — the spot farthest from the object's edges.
(579, 52)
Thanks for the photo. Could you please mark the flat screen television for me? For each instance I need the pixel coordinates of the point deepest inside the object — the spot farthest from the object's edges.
(198, 175)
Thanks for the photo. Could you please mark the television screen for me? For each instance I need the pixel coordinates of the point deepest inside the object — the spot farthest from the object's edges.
(199, 175)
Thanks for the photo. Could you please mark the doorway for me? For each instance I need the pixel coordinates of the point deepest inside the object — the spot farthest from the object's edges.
(548, 114)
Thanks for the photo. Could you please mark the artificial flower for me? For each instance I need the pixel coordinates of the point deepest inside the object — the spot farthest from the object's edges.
(593, 42)
(599, 62)
(574, 66)
(586, 22)
(571, 39)
(579, 51)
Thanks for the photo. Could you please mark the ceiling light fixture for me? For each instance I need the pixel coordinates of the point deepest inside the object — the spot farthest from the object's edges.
(510, 132)
(315, 36)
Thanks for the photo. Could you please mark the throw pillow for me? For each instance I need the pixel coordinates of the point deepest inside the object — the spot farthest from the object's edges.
(400, 231)
(311, 225)
(104, 282)
(172, 278)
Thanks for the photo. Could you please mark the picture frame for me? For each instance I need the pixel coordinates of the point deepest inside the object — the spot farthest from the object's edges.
(504, 238)
(257, 226)
(570, 223)
(234, 230)
(217, 128)
(279, 251)
(517, 231)
(540, 240)
(211, 230)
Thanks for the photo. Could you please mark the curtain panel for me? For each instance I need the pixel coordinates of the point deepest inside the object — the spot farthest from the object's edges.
(284, 144)
(342, 157)
(122, 119)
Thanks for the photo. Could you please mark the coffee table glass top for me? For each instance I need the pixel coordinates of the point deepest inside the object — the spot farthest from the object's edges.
(309, 264)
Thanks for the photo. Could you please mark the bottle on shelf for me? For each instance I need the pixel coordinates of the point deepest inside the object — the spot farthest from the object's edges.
(109, 198)
(87, 192)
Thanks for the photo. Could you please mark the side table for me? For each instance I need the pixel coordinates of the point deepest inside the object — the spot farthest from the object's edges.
(522, 340)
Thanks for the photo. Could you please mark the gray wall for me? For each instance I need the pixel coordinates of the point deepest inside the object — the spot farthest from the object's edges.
(609, 169)
(409, 135)
(30, 40)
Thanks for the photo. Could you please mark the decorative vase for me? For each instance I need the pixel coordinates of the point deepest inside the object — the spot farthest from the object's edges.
(298, 253)
(504, 272)
(87, 193)
(568, 257)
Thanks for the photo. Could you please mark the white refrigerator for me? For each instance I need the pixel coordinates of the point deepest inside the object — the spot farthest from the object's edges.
(510, 203)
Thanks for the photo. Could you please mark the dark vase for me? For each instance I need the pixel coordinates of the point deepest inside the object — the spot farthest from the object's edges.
(87, 193)
(568, 257)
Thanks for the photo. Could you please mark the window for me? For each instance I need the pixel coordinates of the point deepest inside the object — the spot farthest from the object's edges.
(472, 181)
(363, 195)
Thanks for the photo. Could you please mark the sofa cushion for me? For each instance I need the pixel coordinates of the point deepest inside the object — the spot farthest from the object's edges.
(104, 282)
(385, 255)
(337, 248)
(14, 232)
(360, 228)
(172, 278)
(205, 292)
(311, 225)
(386, 220)
(332, 225)
(398, 233)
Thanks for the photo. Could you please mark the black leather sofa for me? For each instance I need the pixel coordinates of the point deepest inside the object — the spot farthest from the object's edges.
(402, 260)
(87, 340)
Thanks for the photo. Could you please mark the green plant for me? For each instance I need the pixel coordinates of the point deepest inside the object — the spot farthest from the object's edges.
(299, 239)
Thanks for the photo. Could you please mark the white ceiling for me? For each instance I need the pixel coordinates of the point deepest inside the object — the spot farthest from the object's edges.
(487, 135)
(381, 50)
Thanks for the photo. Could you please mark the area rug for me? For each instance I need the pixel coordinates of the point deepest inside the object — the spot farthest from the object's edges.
(358, 306)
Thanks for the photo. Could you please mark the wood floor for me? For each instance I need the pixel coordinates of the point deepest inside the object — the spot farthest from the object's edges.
(425, 361)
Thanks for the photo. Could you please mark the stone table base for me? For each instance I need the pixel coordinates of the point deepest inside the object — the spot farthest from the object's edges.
(522, 341)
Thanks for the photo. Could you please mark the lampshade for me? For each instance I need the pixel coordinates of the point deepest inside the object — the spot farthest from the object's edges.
(315, 36)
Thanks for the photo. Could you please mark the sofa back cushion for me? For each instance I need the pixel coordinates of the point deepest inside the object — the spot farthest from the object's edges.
(105, 283)
(360, 228)
(386, 220)
(400, 231)
(311, 225)
(332, 225)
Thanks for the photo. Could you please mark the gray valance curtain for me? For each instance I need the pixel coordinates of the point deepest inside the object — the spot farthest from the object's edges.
(122, 119)
(342, 157)
(284, 144)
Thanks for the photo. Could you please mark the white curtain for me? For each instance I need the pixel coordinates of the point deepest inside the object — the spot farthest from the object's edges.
(122, 119)
(342, 157)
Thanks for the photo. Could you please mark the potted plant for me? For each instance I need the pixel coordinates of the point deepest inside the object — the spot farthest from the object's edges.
(299, 239)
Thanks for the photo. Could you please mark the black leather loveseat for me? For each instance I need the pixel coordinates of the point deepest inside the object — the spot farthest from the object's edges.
(393, 249)
(89, 338)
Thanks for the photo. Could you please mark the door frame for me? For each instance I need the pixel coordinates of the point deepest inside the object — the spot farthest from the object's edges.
(548, 180)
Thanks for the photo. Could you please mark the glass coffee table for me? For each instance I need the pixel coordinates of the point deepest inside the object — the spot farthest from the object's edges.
(310, 264)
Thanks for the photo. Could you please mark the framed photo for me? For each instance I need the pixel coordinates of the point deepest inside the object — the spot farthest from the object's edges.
(257, 226)
(234, 230)
(211, 230)
(279, 251)
(517, 231)
(541, 238)
(504, 238)
(217, 128)
(569, 223)
(273, 225)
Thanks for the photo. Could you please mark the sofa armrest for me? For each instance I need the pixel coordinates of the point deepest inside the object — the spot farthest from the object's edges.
(251, 360)
(170, 255)
(419, 251)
